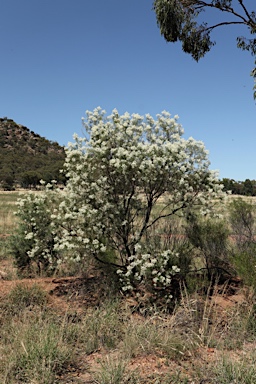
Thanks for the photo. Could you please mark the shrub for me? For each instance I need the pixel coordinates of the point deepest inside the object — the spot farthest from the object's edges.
(210, 237)
(242, 220)
(129, 174)
(244, 261)
(32, 243)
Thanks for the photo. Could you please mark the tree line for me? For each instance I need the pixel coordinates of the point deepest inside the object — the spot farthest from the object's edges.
(245, 188)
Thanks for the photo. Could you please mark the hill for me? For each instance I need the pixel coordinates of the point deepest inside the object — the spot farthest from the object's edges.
(26, 157)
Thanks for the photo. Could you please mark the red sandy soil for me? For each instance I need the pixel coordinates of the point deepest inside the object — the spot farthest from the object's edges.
(79, 293)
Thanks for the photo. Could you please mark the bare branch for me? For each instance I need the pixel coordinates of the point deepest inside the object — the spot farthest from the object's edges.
(202, 4)
(108, 262)
(246, 12)
(223, 23)
(184, 205)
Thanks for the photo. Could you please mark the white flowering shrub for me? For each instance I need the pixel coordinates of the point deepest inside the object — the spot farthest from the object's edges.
(126, 176)
(33, 241)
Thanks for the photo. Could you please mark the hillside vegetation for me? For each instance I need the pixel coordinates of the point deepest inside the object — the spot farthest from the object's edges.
(26, 157)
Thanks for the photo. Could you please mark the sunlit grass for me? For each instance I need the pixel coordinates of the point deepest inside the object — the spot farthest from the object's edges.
(8, 219)
(7, 208)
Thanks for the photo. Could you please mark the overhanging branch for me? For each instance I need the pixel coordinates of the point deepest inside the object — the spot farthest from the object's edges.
(221, 24)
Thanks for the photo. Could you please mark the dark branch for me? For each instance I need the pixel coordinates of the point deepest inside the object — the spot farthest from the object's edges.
(184, 205)
(108, 262)
(223, 23)
(246, 12)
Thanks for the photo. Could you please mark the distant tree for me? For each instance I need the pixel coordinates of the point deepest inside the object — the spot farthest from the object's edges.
(238, 188)
(248, 188)
(7, 180)
(177, 20)
(228, 184)
(30, 179)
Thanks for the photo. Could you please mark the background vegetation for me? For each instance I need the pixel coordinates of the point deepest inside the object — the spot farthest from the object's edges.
(245, 188)
(26, 157)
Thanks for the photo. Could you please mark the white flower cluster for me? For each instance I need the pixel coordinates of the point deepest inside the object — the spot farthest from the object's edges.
(153, 270)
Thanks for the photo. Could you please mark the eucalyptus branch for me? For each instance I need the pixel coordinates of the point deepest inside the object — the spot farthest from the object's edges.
(201, 5)
(221, 24)
(177, 21)
(246, 12)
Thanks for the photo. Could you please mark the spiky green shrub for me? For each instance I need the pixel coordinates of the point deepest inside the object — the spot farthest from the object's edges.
(210, 237)
(242, 221)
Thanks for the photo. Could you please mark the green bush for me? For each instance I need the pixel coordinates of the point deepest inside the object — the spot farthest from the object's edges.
(244, 261)
(126, 177)
(32, 243)
(210, 238)
(242, 221)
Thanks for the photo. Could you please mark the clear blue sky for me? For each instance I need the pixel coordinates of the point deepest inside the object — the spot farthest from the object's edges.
(59, 58)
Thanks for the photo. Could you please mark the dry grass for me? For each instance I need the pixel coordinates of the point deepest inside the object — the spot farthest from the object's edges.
(7, 209)
(207, 337)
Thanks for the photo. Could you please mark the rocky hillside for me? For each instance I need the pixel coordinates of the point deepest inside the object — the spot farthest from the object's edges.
(26, 157)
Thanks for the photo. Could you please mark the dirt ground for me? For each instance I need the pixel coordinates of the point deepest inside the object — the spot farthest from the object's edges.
(80, 293)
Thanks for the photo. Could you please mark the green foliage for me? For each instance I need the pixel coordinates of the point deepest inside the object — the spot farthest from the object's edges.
(26, 157)
(33, 236)
(128, 177)
(178, 21)
(7, 180)
(210, 237)
(170, 235)
(242, 220)
(246, 188)
(244, 261)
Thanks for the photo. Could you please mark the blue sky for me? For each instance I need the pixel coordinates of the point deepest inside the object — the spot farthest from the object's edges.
(62, 57)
